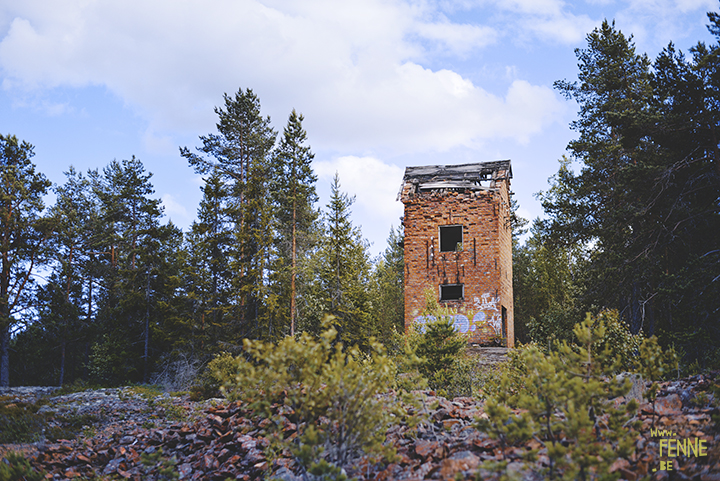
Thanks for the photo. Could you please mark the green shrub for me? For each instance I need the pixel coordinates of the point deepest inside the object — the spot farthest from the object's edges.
(328, 391)
(552, 326)
(565, 402)
(20, 423)
(219, 370)
(14, 467)
(623, 346)
(406, 362)
(507, 376)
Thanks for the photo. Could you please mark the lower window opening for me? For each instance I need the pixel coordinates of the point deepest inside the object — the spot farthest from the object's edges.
(451, 292)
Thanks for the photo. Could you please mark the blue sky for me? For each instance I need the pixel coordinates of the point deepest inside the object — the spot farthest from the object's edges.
(382, 84)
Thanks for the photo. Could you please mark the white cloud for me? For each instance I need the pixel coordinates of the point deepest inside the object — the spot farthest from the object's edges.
(535, 7)
(159, 143)
(174, 209)
(354, 68)
(459, 39)
(374, 184)
(654, 23)
(564, 28)
(690, 5)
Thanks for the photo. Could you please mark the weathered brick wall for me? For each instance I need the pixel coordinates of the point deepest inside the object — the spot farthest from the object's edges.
(484, 266)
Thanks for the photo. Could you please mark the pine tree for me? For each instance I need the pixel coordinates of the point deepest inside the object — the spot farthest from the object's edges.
(239, 155)
(71, 215)
(129, 218)
(294, 196)
(22, 236)
(645, 203)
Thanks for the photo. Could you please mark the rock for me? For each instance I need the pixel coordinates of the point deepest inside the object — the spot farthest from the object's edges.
(426, 449)
(284, 474)
(112, 466)
(458, 462)
(668, 405)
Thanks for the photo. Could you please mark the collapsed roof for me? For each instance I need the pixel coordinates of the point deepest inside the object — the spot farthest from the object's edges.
(454, 177)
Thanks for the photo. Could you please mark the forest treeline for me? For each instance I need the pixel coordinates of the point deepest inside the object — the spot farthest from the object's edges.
(636, 229)
(124, 295)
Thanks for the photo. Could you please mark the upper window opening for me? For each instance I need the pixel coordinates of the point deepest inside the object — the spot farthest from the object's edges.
(451, 238)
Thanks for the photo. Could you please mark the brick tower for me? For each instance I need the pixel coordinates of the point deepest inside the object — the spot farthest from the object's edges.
(458, 243)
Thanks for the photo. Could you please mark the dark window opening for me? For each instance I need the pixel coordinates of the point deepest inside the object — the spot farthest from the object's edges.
(451, 292)
(504, 322)
(451, 237)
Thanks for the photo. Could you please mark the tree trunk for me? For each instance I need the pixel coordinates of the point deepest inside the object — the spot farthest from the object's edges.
(5, 356)
(147, 328)
(292, 273)
(62, 363)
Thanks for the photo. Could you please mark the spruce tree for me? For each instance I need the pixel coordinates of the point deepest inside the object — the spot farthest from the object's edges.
(387, 289)
(342, 272)
(294, 196)
(207, 276)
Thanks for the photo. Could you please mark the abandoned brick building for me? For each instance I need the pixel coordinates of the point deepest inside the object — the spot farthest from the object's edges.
(458, 243)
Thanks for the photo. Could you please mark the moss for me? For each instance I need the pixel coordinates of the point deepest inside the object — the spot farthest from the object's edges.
(22, 423)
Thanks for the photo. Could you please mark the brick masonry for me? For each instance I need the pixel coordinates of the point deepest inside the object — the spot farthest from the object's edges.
(483, 266)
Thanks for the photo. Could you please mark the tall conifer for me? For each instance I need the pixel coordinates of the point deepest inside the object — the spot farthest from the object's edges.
(294, 196)
(240, 155)
(22, 236)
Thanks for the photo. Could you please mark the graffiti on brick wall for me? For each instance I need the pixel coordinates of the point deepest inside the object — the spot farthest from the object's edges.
(488, 315)
(460, 322)
(486, 320)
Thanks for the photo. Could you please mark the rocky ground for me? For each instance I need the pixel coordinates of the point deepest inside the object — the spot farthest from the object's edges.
(137, 435)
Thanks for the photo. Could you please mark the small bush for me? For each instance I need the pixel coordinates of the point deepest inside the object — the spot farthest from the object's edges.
(563, 398)
(441, 350)
(327, 390)
(14, 467)
(20, 423)
(439, 346)
(511, 372)
(219, 370)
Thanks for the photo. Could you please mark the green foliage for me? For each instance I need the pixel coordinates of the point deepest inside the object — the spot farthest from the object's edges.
(68, 426)
(15, 467)
(508, 377)
(387, 289)
(222, 367)
(341, 269)
(22, 423)
(166, 466)
(329, 391)
(546, 285)
(619, 341)
(19, 423)
(644, 202)
(22, 238)
(78, 385)
(441, 349)
(402, 350)
(564, 402)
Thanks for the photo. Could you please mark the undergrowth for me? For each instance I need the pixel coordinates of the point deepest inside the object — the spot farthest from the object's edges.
(15, 467)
